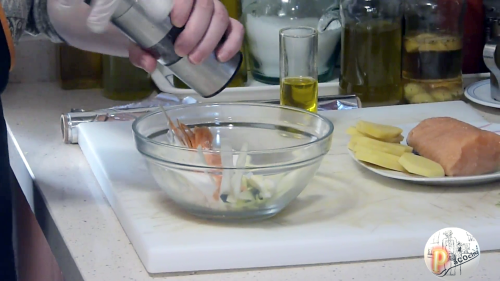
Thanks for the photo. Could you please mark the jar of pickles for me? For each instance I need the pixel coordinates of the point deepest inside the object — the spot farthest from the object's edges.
(432, 50)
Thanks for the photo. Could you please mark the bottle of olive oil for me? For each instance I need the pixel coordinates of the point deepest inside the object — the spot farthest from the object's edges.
(123, 81)
(78, 69)
(234, 10)
(371, 62)
(300, 92)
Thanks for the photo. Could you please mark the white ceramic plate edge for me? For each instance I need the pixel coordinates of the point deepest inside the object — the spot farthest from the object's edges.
(469, 93)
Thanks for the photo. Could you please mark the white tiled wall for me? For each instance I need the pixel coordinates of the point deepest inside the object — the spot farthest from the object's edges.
(35, 61)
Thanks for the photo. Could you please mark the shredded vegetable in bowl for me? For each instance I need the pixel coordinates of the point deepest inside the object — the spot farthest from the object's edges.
(233, 161)
(230, 188)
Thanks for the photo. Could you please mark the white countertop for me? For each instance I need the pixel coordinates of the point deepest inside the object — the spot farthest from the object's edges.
(81, 227)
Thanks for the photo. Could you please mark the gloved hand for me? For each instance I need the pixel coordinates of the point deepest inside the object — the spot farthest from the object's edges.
(205, 21)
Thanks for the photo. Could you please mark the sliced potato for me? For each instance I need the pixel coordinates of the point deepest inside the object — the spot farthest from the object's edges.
(351, 145)
(352, 131)
(421, 166)
(397, 139)
(354, 139)
(396, 151)
(378, 131)
(376, 143)
(379, 158)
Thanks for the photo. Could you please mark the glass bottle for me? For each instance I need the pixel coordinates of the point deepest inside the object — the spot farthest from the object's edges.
(263, 19)
(432, 50)
(78, 69)
(371, 51)
(123, 81)
(233, 8)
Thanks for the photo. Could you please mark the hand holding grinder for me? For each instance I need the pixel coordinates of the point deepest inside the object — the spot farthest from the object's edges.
(158, 37)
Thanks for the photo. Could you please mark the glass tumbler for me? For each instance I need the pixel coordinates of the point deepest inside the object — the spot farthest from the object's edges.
(299, 67)
(263, 20)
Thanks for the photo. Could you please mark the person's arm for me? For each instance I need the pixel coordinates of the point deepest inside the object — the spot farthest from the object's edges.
(38, 21)
(61, 24)
(66, 22)
(75, 23)
(16, 14)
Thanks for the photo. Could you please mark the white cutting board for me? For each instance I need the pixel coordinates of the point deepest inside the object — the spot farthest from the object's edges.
(346, 213)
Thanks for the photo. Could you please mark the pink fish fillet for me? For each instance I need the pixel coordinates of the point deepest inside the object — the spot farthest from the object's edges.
(462, 149)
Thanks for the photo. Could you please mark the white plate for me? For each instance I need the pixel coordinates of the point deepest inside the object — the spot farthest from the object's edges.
(480, 93)
(443, 181)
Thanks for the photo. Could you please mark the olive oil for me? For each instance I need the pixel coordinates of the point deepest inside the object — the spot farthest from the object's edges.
(301, 92)
(234, 10)
(371, 62)
(123, 81)
(78, 69)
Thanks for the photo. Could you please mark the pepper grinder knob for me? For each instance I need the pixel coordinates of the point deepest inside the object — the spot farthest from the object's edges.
(208, 78)
(491, 56)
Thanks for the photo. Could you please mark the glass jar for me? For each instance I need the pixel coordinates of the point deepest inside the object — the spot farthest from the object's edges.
(432, 50)
(371, 51)
(234, 10)
(123, 81)
(263, 19)
(78, 69)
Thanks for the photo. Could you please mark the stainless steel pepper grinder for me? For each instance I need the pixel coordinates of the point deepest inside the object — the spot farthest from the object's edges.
(207, 79)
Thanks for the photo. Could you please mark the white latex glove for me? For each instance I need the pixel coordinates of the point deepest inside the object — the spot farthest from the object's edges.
(205, 22)
(69, 19)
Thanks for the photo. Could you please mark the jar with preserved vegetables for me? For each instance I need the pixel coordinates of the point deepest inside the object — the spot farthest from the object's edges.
(432, 50)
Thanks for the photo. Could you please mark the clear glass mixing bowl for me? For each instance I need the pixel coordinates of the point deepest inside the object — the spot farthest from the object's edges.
(269, 153)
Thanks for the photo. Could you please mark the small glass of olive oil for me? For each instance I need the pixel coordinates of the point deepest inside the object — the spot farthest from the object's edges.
(298, 67)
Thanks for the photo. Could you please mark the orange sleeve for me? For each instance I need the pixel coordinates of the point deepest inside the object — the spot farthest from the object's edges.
(7, 39)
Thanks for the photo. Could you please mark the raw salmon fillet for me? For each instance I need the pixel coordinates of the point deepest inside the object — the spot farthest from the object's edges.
(462, 149)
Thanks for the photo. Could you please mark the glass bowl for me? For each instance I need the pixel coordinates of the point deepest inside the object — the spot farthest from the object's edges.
(261, 159)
